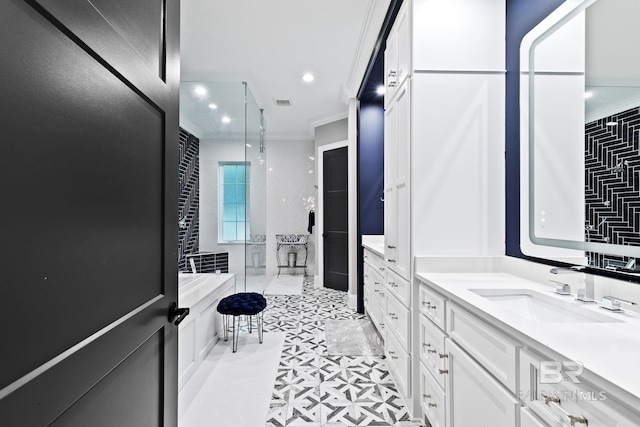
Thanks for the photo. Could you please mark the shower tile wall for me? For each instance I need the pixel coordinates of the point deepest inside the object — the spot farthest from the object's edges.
(188, 199)
(612, 187)
(290, 195)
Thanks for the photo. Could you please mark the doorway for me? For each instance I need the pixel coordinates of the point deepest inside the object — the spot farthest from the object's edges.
(335, 209)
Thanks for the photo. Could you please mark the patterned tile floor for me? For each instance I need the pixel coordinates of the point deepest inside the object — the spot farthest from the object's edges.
(315, 389)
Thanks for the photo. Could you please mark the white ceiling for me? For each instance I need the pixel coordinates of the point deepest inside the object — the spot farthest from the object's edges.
(270, 44)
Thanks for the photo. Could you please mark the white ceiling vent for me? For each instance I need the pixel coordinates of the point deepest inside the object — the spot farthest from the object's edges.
(283, 102)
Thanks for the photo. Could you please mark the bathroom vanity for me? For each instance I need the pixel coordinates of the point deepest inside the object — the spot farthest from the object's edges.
(511, 352)
(387, 302)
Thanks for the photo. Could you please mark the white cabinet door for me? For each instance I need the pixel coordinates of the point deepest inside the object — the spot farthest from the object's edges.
(475, 398)
(397, 194)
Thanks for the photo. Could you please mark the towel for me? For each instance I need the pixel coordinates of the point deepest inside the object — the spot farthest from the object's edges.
(312, 221)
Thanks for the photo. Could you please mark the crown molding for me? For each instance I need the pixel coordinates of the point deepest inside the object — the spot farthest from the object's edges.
(376, 13)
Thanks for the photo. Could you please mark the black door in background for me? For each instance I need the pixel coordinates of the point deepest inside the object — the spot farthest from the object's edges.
(88, 163)
(336, 224)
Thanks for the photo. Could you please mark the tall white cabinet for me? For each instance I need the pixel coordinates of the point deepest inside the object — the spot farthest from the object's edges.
(444, 155)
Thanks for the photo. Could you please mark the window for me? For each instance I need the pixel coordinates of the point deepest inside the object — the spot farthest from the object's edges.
(234, 203)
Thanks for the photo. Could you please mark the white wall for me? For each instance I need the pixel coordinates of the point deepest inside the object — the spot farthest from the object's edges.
(291, 195)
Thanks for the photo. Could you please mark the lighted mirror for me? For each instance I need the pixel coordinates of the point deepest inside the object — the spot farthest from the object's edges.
(580, 148)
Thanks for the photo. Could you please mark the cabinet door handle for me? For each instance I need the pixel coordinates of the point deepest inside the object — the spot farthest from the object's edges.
(391, 260)
(376, 290)
(426, 396)
(432, 405)
(391, 246)
(581, 420)
(548, 399)
(426, 344)
(443, 356)
(443, 371)
(432, 351)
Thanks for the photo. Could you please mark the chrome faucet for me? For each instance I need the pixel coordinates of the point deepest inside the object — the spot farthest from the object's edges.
(584, 293)
(612, 303)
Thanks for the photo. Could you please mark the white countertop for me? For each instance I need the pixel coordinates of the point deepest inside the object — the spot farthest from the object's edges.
(610, 351)
(193, 287)
(374, 243)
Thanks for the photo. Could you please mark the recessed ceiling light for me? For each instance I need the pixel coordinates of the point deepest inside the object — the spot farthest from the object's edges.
(308, 77)
(200, 90)
(588, 94)
(226, 119)
(380, 90)
(213, 106)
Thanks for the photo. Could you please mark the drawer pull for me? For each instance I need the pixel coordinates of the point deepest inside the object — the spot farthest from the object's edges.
(392, 352)
(443, 356)
(426, 344)
(394, 357)
(391, 246)
(391, 260)
(426, 396)
(381, 268)
(432, 405)
(376, 283)
(443, 371)
(548, 399)
(376, 290)
(432, 351)
(391, 314)
(581, 420)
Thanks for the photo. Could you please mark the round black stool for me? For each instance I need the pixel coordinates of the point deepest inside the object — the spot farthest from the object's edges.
(242, 304)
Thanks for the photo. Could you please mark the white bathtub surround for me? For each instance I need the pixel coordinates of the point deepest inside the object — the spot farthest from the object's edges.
(233, 389)
(285, 284)
(202, 328)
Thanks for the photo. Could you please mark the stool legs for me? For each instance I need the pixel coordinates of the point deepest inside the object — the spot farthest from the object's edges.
(235, 327)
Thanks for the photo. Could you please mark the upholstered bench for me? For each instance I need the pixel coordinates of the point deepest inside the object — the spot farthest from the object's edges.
(248, 304)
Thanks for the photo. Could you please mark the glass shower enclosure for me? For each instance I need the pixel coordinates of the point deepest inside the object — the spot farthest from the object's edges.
(229, 125)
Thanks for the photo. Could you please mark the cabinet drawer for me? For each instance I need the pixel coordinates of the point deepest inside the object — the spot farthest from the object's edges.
(375, 261)
(431, 398)
(490, 347)
(399, 287)
(558, 401)
(432, 305)
(432, 352)
(372, 277)
(398, 321)
(398, 361)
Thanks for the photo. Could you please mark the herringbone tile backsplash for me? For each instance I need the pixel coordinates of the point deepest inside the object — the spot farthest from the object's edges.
(612, 188)
(188, 199)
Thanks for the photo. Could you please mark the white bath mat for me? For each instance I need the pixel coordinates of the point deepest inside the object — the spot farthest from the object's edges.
(353, 338)
(285, 285)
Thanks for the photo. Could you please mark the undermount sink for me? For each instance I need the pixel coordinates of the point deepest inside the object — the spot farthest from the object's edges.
(542, 308)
